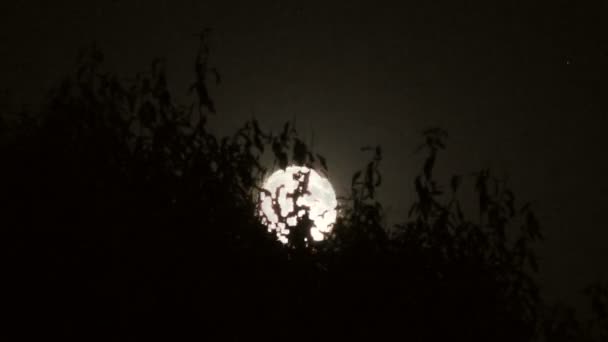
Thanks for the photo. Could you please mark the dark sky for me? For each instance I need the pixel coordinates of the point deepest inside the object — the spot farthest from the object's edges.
(520, 86)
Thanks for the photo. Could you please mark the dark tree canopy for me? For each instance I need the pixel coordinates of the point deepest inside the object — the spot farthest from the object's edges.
(128, 218)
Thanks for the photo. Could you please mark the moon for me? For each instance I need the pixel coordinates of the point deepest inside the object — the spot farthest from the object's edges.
(284, 193)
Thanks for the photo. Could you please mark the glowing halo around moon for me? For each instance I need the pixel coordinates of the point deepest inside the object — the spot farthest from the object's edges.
(284, 193)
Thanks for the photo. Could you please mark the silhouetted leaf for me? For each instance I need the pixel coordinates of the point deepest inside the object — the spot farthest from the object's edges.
(355, 178)
(455, 183)
(322, 161)
(218, 79)
(428, 166)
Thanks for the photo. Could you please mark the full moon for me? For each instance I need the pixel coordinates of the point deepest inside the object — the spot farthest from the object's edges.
(288, 198)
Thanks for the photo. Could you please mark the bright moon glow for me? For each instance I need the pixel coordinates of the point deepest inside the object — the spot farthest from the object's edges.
(319, 200)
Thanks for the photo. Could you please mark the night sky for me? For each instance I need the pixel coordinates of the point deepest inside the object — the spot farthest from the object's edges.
(520, 86)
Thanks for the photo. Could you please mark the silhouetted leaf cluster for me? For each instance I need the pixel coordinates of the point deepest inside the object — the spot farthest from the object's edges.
(127, 217)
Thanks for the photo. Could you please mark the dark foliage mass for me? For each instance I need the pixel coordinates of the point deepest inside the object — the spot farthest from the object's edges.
(125, 218)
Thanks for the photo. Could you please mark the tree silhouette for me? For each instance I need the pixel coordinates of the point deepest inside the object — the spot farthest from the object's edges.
(126, 218)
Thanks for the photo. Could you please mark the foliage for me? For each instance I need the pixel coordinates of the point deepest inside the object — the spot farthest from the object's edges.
(129, 217)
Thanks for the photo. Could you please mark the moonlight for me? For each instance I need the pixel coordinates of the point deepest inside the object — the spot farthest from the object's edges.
(290, 195)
